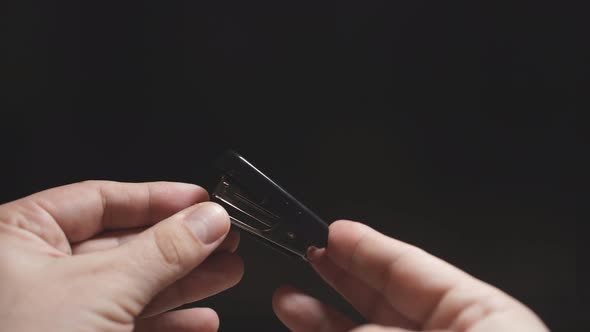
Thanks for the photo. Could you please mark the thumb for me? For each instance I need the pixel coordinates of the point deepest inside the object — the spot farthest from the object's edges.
(170, 249)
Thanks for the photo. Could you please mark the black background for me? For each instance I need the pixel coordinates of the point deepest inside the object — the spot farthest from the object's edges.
(449, 125)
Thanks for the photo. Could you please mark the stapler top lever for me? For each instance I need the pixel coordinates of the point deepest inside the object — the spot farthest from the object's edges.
(259, 206)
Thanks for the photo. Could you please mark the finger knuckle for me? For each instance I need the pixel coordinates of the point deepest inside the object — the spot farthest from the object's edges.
(94, 183)
(172, 246)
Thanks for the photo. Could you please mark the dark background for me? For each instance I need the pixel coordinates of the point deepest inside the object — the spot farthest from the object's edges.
(449, 125)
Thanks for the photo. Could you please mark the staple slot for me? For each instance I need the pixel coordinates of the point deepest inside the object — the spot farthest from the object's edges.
(246, 217)
(232, 194)
(257, 210)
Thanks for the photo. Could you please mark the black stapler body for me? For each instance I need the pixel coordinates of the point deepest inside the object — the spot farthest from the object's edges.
(260, 207)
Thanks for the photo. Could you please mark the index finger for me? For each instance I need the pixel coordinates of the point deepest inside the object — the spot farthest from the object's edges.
(411, 280)
(78, 211)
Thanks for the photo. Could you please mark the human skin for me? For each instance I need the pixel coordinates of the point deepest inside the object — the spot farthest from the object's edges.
(108, 256)
(397, 287)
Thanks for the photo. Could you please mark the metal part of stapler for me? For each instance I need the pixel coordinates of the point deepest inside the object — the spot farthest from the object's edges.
(260, 207)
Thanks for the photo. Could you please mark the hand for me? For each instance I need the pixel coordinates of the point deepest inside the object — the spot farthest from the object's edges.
(107, 256)
(397, 287)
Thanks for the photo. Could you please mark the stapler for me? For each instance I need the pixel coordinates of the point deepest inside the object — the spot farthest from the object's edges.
(260, 207)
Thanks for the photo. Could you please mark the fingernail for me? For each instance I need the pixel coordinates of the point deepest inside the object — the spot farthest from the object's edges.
(314, 253)
(208, 222)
